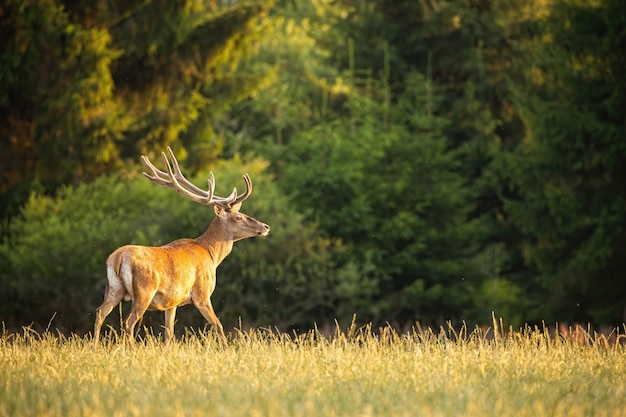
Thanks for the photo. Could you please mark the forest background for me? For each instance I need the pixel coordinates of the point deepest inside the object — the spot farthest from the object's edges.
(431, 160)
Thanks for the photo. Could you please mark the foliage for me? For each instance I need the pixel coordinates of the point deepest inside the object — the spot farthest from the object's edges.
(85, 84)
(343, 140)
(423, 372)
(568, 173)
(418, 160)
(475, 56)
(392, 189)
(300, 88)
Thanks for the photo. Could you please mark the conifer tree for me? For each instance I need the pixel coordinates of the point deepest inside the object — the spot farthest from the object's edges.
(85, 84)
(569, 172)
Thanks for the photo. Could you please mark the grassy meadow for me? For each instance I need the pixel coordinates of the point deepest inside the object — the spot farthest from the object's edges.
(357, 372)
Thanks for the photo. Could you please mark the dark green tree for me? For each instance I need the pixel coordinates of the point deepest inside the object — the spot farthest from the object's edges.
(469, 49)
(569, 172)
(386, 182)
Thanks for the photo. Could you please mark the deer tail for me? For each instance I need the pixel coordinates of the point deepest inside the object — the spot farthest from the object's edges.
(119, 272)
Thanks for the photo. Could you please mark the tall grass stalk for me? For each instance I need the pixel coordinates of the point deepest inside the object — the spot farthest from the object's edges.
(357, 372)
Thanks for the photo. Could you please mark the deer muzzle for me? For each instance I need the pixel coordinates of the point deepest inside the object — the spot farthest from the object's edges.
(264, 230)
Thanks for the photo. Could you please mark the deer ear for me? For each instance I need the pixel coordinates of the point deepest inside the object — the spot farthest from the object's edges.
(235, 207)
(219, 210)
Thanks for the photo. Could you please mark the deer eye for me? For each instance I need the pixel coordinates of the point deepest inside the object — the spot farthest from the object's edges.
(238, 218)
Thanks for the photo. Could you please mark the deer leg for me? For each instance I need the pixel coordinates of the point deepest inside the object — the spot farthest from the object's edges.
(170, 315)
(206, 309)
(113, 295)
(140, 305)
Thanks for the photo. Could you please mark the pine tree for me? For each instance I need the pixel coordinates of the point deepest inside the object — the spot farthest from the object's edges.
(384, 181)
(468, 49)
(569, 173)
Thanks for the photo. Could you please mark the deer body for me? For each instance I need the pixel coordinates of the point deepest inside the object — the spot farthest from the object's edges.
(181, 272)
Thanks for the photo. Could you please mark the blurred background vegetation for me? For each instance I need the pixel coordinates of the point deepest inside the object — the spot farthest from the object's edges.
(427, 160)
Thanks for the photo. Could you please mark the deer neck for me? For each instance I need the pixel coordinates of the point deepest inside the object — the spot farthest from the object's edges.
(217, 241)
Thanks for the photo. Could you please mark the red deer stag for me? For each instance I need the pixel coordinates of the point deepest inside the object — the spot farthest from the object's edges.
(183, 271)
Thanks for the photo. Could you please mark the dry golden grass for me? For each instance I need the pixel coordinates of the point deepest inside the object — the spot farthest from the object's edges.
(351, 373)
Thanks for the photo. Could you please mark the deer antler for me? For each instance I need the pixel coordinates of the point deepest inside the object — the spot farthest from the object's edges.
(177, 181)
